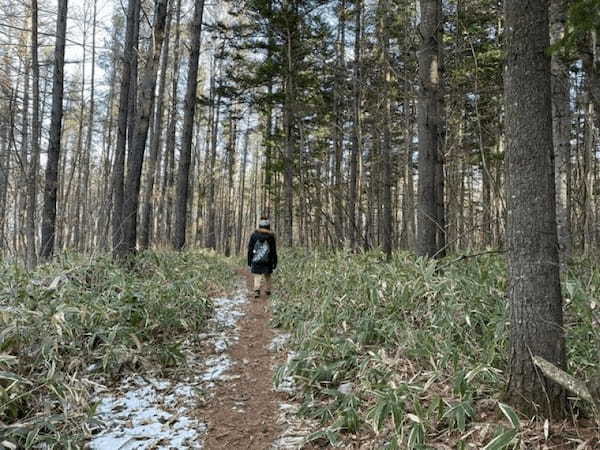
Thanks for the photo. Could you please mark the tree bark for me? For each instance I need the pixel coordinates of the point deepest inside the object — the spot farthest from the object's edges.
(387, 227)
(561, 127)
(533, 264)
(356, 150)
(242, 190)
(157, 128)
(34, 162)
(143, 111)
(211, 234)
(430, 185)
(51, 183)
(87, 226)
(119, 161)
(188, 128)
(338, 132)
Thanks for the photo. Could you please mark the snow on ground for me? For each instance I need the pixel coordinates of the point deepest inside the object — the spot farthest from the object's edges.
(155, 413)
(295, 430)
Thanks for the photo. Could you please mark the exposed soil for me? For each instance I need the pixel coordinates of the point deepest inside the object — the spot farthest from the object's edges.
(242, 413)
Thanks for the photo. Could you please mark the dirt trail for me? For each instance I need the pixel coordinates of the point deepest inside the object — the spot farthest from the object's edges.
(242, 413)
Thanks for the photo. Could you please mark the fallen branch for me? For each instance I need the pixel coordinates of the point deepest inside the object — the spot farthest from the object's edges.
(566, 380)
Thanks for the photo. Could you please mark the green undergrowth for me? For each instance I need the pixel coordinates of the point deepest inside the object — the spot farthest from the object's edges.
(409, 356)
(80, 321)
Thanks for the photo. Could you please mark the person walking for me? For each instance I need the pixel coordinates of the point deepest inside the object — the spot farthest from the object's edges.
(262, 256)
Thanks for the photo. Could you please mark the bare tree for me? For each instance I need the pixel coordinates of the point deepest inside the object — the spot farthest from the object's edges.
(34, 161)
(146, 97)
(188, 128)
(118, 175)
(51, 184)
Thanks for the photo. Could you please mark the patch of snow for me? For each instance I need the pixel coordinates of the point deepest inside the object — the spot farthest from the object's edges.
(287, 383)
(217, 366)
(139, 416)
(295, 429)
(279, 342)
(153, 413)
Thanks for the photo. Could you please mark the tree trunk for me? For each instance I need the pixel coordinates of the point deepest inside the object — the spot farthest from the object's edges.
(119, 161)
(157, 128)
(189, 109)
(561, 127)
(242, 190)
(211, 235)
(387, 227)
(87, 226)
(338, 132)
(143, 112)
(536, 323)
(428, 118)
(356, 150)
(51, 186)
(35, 141)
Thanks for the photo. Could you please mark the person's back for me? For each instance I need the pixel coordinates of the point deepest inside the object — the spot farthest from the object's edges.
(262, 256)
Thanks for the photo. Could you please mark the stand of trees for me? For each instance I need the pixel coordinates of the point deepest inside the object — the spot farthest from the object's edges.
(383, 124)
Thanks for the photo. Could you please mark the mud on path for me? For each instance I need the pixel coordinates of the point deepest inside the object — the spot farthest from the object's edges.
(242, 412)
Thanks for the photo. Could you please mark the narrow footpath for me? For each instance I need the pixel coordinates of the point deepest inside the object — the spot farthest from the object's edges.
(242, 413)
(222, 399)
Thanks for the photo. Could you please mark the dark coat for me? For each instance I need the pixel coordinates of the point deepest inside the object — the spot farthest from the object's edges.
(263, 235)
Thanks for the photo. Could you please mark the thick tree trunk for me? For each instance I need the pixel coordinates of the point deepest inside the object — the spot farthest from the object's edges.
(430, 186)
(51, 184)
(119, 160)
(536, 323)
(143, 111)
(189, 109)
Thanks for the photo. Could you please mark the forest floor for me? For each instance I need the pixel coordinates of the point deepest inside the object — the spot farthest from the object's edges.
(247, 413)
(226, 398)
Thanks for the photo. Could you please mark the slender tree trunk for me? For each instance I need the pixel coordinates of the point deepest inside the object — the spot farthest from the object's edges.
(242, 190)
(211, 235)
(387, 226)
(35, 141)
(87, 226)
(338, 132)
(157, 128)
(536, 323)
(78, 163)
(409, 188)
(143, 111)
(188, 128)
(51, 185)
(119, 161)
(289, 160)
(354, 229)
(23, 162)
